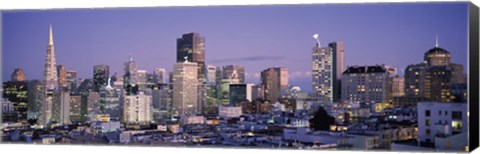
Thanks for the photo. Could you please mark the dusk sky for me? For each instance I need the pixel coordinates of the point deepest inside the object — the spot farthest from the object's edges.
(257, 37)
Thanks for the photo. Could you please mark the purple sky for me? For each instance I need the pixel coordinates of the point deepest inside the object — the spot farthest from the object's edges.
(257, 37)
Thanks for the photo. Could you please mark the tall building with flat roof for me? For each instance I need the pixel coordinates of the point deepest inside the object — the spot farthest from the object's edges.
(62, 77)
(274, 80)
(185, 88)
(71, 76)
(191, 47)
(327, 69)
(130, 75)
(338, 59)
(366, 85)
(137, 109)
(101, 73)
(240, 93)
(211, 74)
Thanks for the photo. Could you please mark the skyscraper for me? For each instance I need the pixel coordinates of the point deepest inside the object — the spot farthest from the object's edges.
(338, 50)
(18, 75)
(50, 77)
(142, 79)
(211, 74)
(50, 72)
(185, 88)
(61, 107)
(433, 78)
(327, 69)
(191, 47)
(240, 93)
(71, 80)
(101, 73)
(274, 80)
(130, 76)
(16, 92)
(159, 75)
(62, 76)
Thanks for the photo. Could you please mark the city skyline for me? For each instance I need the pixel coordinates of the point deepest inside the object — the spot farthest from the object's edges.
(105, 35)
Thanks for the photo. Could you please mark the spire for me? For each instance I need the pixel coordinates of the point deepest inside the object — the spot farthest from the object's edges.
(315, 36)
(50, 36)
(436, 40)
(130, 56)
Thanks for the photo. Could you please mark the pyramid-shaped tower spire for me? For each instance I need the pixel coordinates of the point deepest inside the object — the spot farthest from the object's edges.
(50, 71)
(50, 36)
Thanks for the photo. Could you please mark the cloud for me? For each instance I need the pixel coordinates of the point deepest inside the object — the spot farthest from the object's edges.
(249, 59)
(299, 74)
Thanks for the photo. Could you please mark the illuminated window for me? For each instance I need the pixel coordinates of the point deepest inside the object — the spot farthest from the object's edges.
(457, 125)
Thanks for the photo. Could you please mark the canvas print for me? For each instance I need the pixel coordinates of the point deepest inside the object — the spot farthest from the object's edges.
(379, 76)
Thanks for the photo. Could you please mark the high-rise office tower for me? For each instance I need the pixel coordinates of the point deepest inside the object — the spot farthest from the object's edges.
(159, 75)
(142, 79)
(211, 74)
(101, 73)
(185, 88)
(130, 76)
(327, 69)
(35, 99)
(273, 81)
(50, 77)
(338, 50)
(71, 80)
(18, 75)
(366, 85)
(191, 47)
(16, 92)
(433, 78)
(240, 93)
(75, 108)
(62, 76)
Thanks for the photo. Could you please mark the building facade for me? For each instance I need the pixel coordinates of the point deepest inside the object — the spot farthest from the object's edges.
(273, 81)
(366, 85)
(185, 89)
(191, 48)
(137, 109)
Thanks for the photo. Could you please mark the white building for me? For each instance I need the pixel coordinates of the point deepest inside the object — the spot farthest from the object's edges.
(185, 89)
(439, 121)
(229, 111)
(137, 108)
